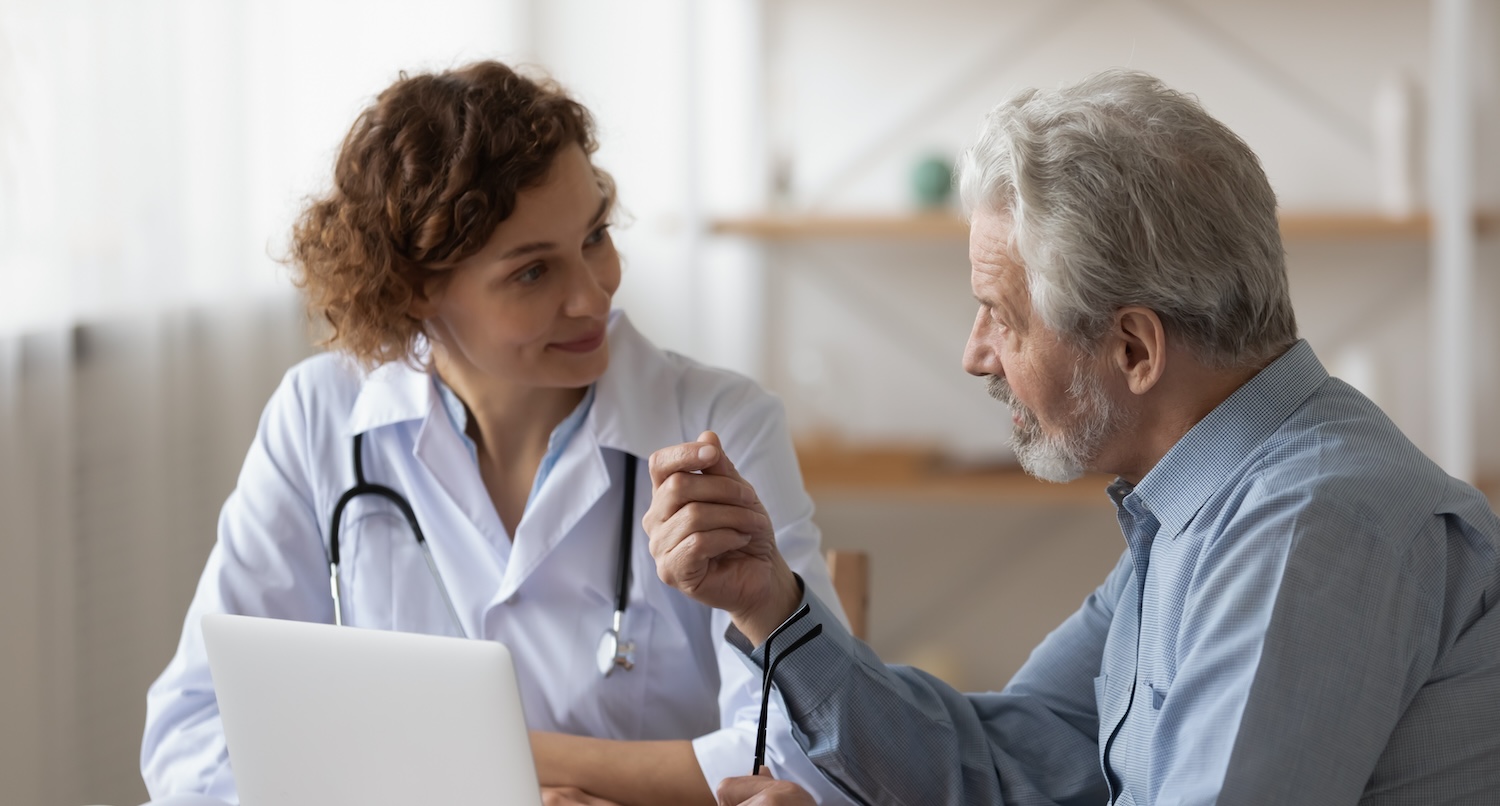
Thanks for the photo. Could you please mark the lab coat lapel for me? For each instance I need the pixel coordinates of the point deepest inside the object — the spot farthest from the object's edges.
(575, 485)
(470, 563)
(442, 450)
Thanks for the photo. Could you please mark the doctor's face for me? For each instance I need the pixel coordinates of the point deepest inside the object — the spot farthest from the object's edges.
(530, 307)
(1062, 416)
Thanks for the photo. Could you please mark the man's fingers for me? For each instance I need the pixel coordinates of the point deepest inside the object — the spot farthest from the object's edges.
(705, 456)
(723, 466)
(689, 457)
(680, 489)
(734, 791)
(683, 561)
(700, 516)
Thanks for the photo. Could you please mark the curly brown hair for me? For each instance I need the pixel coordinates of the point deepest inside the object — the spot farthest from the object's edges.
(423, 178)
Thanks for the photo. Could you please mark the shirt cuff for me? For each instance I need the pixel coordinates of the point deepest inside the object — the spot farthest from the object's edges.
(729, 752)
(815, 671)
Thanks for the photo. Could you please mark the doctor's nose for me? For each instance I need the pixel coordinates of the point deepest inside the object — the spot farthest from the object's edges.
(588, 295)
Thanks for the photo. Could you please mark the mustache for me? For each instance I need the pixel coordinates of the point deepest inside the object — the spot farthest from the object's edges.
(999, 389)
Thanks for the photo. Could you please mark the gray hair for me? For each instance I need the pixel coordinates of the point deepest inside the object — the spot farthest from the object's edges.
(1122, 192)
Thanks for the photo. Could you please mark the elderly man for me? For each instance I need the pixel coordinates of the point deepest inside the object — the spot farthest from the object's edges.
(1305, 610)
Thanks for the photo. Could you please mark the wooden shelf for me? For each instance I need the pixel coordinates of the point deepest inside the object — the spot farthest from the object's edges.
(796, 227)
(911, 472)
(945, 226)
(914, 472)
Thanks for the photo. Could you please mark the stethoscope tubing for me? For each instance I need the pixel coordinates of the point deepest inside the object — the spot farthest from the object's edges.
(363, 487)
(627, 530)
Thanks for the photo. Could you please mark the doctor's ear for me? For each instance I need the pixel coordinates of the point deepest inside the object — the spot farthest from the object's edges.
(421, 308)
(425, 295)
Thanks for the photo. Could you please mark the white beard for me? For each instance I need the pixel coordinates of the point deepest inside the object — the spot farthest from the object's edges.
(1066, 456)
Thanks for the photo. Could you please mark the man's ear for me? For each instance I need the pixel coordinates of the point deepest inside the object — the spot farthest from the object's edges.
(1139, 347)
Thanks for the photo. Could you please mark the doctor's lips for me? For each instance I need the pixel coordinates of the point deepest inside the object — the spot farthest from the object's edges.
(587, 344)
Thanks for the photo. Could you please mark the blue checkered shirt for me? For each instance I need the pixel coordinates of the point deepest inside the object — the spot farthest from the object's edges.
(1304, 614)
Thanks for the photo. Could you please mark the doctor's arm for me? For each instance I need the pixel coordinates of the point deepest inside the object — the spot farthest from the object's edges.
(630, 773)
(267, 561)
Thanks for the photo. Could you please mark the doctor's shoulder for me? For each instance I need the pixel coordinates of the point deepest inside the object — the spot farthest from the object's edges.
(698, 396)
(309, 413)
(321, 388)
(722, 400)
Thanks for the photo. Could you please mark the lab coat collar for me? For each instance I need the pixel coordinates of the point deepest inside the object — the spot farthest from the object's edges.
(637, 409)
(393, 393)
(638, 370)
(637, 406)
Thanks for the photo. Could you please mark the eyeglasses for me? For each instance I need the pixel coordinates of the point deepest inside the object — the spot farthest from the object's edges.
(765, 683)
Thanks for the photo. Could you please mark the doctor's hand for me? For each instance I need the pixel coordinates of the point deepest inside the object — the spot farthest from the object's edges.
(762, 790)
(571, 796)
(713, 540)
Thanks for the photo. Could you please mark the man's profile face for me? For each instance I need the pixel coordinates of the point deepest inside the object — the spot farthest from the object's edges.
(1061, 414)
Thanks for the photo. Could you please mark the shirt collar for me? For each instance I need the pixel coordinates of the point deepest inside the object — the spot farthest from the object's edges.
(1204, 459)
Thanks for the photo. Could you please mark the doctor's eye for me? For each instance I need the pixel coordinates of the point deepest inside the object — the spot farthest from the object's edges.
(530, 274)
(597, 236)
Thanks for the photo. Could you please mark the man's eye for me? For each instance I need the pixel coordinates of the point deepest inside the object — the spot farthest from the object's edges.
(530, 274)
(597, 236)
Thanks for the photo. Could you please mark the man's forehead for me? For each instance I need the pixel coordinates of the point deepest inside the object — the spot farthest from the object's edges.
(989, 237)
(992, 269)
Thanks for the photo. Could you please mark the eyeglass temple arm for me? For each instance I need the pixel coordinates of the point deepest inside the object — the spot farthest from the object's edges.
(765, 693)
(765, 682)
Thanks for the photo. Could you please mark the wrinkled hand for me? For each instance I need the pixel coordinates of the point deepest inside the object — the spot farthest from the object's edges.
(571, 796)
(762, 790)
(713, 540)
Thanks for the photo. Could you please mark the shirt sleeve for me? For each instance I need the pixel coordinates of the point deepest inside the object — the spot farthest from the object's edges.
(896, 735)
(1351, 634)
(268, 561)
(754, 434)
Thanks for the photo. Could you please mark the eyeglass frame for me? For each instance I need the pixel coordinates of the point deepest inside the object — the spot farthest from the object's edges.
(769, 669)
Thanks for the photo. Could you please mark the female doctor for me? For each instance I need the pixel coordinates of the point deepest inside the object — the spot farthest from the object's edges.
(464, 263)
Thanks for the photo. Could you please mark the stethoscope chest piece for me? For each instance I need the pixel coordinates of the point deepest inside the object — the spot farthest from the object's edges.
(614, 653)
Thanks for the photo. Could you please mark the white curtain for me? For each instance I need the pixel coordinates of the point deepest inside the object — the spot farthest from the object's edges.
(152, 156)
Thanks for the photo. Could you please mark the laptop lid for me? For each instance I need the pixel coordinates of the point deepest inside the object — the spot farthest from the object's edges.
(325, 715)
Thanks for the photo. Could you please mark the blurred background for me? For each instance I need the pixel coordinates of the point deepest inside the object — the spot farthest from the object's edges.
(782, 165)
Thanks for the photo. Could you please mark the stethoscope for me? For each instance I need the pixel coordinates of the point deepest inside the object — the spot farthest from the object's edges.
(613, 653)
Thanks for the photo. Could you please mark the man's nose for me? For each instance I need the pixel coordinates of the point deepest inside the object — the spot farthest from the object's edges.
(979, 358)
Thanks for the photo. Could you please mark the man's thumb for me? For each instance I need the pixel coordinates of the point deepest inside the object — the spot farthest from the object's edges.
(722, 467)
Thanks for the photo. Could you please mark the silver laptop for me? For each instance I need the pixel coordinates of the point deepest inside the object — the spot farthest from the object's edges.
(317, 714)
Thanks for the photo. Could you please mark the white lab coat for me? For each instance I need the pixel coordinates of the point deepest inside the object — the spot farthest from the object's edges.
(548, 594)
